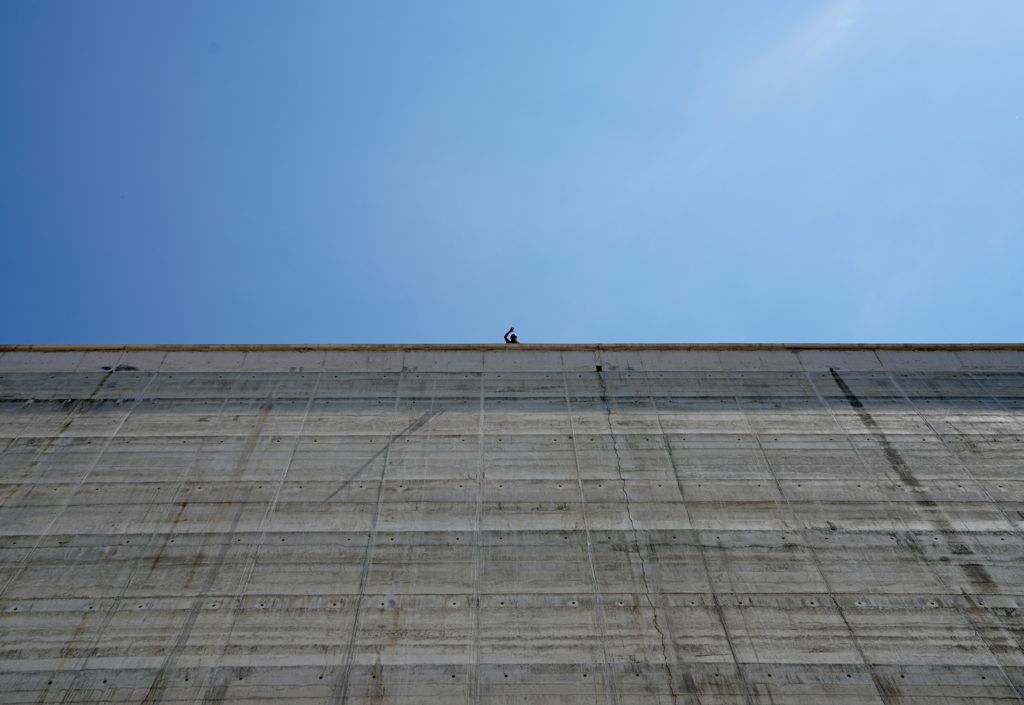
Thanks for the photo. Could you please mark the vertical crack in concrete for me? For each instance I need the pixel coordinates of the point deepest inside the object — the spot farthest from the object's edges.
(636, 540)
(610, 690)
(747, 690)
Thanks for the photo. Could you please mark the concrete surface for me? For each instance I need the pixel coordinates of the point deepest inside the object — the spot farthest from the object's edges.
(561, 524)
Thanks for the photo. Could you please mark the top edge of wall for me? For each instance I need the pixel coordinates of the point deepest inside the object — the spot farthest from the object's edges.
(922, 347)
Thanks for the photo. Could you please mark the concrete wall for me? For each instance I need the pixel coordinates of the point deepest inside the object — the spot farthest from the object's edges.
(512, 526)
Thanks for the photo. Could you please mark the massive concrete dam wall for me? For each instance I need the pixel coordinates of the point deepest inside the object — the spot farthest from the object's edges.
(617, 525)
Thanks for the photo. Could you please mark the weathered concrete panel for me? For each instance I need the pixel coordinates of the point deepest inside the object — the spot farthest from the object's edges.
(609, 524)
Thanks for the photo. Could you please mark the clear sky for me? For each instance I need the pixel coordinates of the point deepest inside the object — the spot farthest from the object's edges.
(345, 172)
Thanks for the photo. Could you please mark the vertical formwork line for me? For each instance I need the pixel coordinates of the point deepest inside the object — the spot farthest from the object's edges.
(421, 494)
(474, 673)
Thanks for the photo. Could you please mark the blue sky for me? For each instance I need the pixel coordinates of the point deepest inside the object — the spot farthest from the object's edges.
(343, 172)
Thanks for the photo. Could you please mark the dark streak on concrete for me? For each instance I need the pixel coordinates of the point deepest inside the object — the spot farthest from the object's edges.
(888, 690)
(339, 693)
(896, 461)
(974, 572)
(408, 430)
(160, 682)
(978, 574)
(217, 693)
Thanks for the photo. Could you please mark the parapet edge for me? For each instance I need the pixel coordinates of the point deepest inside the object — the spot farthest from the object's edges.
(560, 347)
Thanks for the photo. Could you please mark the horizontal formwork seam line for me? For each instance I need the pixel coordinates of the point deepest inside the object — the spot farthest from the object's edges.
(559, 347)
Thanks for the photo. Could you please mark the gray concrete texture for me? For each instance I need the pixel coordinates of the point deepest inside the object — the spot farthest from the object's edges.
(733, 525)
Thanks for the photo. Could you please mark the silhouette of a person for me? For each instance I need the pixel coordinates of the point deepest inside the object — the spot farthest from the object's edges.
(510, 336)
